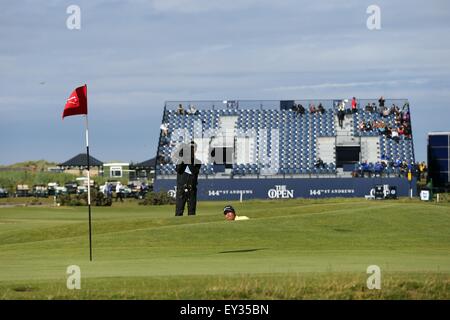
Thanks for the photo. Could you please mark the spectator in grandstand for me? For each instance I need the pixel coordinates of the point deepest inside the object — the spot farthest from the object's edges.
(381, 102)
(312, 108)
(386, 112)
(394, 135)
(407, 131)
(354, 105)
(364, 167)
(395, 110)
(301, 109)
(341, 113)
(192, 110)
(320, 108)
(164, 129)
(319, 163)
(362, 126)
(398, 119)
(405, 107)
(368, 107)
(405, 116)
(374, 107)
(378, 167)
(381, 128)
(180, 109)
(388, 131)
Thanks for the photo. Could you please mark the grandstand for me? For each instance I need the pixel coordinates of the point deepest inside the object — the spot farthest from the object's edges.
(268, 149)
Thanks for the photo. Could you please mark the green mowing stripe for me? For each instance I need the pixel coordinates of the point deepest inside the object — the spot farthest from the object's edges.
(187, 223)
(193, 224)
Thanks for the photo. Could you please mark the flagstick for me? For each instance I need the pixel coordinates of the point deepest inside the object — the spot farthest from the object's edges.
(89, 188)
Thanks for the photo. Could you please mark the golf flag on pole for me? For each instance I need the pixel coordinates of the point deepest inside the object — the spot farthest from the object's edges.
(77, 103)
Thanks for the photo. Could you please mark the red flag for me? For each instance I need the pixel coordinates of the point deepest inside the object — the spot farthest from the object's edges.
(77, 102)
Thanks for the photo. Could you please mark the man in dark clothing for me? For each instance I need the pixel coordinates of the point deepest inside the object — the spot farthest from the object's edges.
(301, 109)
(187, 169)
(321, 108)
(381, 102)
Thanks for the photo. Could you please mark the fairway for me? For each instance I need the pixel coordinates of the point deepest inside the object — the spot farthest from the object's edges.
(293, 249)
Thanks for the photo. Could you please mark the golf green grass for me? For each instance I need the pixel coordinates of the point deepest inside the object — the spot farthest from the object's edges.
(293, 249)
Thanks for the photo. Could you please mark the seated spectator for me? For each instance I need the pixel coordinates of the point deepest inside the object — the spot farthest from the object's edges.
(388, 132)
(365, 167)
(362, 126)
(382, 128)
(406, 116)
(165, 129)
(319, 163)
(376, 124)
(368, 108)
(180, 109)
(354, 105)
(374, 107)
(394, 135)
(295, 107)
(407, 131)
(405, 107)
(301, 109)
(378, 167)
(312, 108)
(386, 112)
(320, 108)
(192, 110)
(398, 119)
(395, 110)
(165, 140)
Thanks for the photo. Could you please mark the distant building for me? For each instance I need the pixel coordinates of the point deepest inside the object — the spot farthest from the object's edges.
(111, 170)
(439, 159)
(142, 170)
(116, 170)
(78, 165)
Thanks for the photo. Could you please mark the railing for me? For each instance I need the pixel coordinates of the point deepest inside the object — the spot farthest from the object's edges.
(274, 104)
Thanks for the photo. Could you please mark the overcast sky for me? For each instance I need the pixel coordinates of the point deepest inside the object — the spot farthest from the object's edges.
(136, 54)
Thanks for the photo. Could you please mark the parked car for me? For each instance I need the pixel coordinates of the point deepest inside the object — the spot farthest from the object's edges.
(81, 189)
(51, 188)
(4, 193)
(71, 187)
(22, 190)
(40, 191)
(60, 191)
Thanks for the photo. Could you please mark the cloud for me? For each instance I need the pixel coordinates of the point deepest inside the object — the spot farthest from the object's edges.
(349, 85)
(201, 6)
